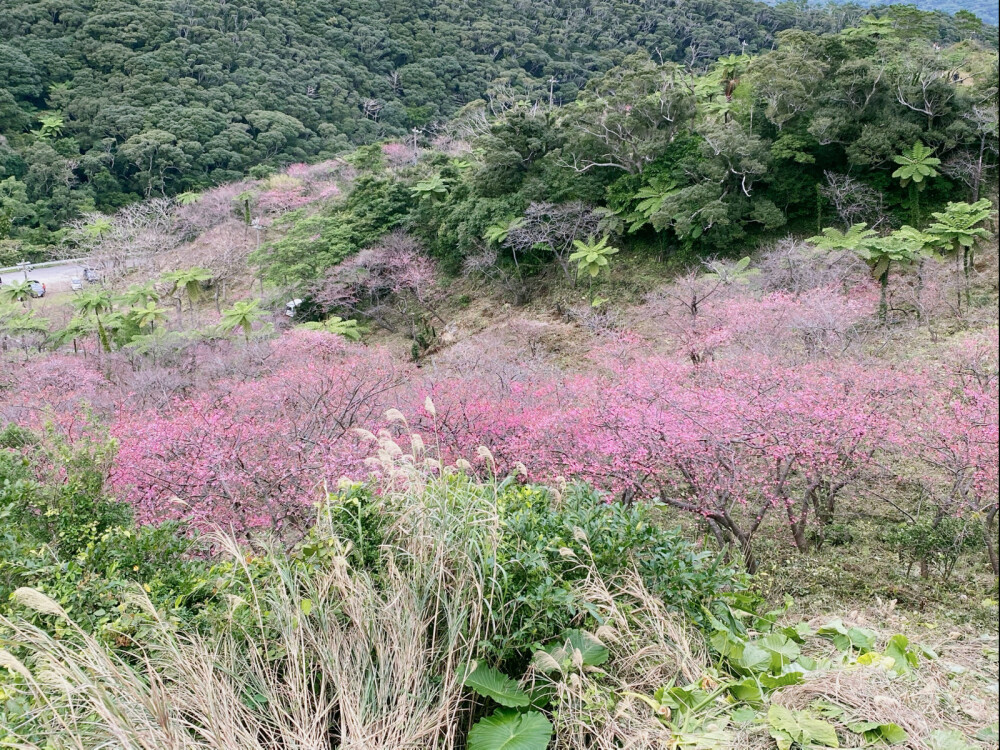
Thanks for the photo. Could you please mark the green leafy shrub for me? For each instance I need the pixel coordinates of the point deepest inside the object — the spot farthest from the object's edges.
(935, 545)
(66, 537)
(547, 545)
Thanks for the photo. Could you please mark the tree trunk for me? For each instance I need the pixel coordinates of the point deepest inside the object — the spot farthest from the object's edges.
(991, 550)
(883, 297)
(799, 525)
(967, 270)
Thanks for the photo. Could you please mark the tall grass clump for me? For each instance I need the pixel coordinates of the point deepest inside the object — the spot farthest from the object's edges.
(361, 636)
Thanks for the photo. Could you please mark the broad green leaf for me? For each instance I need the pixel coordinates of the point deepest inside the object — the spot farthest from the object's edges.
(798, 632)
(490, 683)
(947, 739)
(510, 730)
(989, 734)
(873, 731)
(773, 683)
(782, 718)
(861, 638)
(845, 638)
(817, 731)
(754, 658)
(903, 659)
(593, 653)
(893, 734)
(743, 715)
(782, 649)
(747, 690)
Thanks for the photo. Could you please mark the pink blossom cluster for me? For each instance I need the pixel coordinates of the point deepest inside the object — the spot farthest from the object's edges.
(251, 438)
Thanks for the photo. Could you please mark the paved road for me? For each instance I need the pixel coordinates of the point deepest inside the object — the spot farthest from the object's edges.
(56, 278)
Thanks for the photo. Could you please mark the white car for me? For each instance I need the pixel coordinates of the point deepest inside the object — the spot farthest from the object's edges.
(76, 283)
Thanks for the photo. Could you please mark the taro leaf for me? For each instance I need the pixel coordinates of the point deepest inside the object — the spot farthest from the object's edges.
(747, 690)
(861, 638)
(845, 638)
(684, 698)
(798, 632)
(903, 659)
(592, 651)
(726, 644)
(789, 727)
(782, 649)
(510, 730)
(893, 734)
(808, 663)
(754, 658)
(947, 739)
(860, 727)
(783, 727)
(837, 633)
(830, 710)
(819, 732)
(873, 731)
(490, 683)
(743, 715)
(773, 683)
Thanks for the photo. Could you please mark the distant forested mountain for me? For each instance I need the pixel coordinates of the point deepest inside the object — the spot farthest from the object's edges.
(105, 101)
(986, 10)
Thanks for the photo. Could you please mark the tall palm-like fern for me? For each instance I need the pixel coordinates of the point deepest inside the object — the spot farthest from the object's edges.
(347, 328)
(243, 315)
(188, 280)
(902, 246)
(958, 229)
(95, 302)
(916, 165)
(17, 291)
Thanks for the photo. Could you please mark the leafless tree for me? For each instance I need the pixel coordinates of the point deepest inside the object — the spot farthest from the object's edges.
(128, 240)
(385, 282)
(924, 85)
(485, 264)
(853, 200)
(971, 166)
(794, 266)
(554, 226)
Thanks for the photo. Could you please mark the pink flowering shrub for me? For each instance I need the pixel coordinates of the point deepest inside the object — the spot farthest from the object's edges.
(776, 423)
(256, 453)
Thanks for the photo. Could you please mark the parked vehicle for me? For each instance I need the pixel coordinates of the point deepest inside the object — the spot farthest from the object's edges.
(76, 283)
(37, 288)
(91, 275)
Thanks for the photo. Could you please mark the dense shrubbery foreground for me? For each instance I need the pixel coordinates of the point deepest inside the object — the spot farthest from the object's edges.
(358, 636)
(441, 611)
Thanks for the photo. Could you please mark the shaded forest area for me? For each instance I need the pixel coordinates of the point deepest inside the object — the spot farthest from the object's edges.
(105, 102)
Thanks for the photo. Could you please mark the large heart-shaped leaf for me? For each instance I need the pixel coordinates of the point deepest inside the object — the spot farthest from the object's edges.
(845, 638)
(593, 653)
(509, 730)
(490, 683)
(903, 658)
(754, 658)
(783, 650)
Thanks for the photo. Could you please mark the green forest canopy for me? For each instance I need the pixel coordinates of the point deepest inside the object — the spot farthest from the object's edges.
(106, 101)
